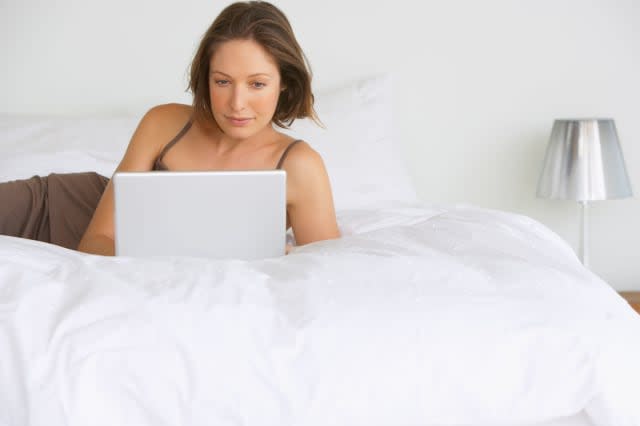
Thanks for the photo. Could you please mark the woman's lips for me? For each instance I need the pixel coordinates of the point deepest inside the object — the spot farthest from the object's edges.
(238, 121)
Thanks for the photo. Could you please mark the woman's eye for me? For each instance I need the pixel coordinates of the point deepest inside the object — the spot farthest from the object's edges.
(222, 82)
(258, 85)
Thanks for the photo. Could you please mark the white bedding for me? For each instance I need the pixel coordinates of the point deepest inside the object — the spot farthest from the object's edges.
(419, 315)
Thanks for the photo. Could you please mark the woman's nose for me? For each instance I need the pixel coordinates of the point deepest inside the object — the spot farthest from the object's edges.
(238, 98)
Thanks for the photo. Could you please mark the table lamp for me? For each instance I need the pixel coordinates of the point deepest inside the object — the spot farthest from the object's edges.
(584, 163)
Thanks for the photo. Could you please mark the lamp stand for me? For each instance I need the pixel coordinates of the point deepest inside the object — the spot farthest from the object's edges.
(584, 238)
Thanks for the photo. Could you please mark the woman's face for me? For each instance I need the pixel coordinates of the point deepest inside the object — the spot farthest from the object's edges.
(244, 86)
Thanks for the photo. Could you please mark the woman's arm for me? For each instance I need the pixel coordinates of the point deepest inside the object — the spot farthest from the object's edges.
(310, 206)
(145, 144)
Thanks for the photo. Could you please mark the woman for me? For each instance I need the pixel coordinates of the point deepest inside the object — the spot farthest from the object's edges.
(248, 75)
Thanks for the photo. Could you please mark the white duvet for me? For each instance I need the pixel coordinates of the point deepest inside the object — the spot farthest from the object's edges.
(419, 315)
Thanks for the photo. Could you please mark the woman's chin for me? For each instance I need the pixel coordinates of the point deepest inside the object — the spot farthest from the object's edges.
(244, 132)
(237, 132)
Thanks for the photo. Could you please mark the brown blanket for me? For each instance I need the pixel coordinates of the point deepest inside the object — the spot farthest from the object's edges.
(56, 208)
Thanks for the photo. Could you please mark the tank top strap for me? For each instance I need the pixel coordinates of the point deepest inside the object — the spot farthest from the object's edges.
(286, 151)
(172, 142)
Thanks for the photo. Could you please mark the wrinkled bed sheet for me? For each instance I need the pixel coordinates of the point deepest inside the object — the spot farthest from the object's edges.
(419, 315)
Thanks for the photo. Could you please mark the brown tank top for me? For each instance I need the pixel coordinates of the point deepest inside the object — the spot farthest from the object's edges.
(159, 165)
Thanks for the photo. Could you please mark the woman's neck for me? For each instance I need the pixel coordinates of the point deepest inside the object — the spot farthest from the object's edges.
(224, 144)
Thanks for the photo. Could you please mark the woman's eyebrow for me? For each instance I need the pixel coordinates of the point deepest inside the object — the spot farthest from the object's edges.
(252, 75)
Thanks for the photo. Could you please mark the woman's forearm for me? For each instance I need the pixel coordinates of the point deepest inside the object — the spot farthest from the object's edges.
(97, 244)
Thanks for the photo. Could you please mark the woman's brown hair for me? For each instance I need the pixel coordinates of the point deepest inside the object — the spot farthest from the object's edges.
(265, 24)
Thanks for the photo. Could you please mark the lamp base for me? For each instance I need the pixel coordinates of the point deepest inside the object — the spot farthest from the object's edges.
(584, 237)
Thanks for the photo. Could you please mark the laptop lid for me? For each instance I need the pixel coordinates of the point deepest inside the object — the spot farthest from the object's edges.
(215, 214)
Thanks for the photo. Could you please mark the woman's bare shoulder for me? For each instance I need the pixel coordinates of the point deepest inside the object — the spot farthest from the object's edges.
(303, 161)
(160, 124)
(156, 128)
(168, 116)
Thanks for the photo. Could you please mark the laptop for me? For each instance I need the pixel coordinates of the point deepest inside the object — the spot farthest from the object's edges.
(213, 214)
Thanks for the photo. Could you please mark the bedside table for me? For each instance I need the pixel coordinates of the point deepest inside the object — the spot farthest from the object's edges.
(633, 297)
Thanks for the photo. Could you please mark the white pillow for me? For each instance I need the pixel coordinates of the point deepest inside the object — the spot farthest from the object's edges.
(356, 145)
(39, 145)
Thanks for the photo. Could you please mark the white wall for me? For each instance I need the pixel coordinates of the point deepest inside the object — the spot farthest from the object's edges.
(478, 84)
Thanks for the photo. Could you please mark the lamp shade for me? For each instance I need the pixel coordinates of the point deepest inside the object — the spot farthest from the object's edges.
(584, 162)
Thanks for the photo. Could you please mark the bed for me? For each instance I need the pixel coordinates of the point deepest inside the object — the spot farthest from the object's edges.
(421, 314)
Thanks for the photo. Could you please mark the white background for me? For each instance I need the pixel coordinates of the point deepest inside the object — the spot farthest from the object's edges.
(477, 85)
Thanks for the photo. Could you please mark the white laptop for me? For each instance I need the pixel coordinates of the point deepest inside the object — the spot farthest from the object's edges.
(221, 214)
